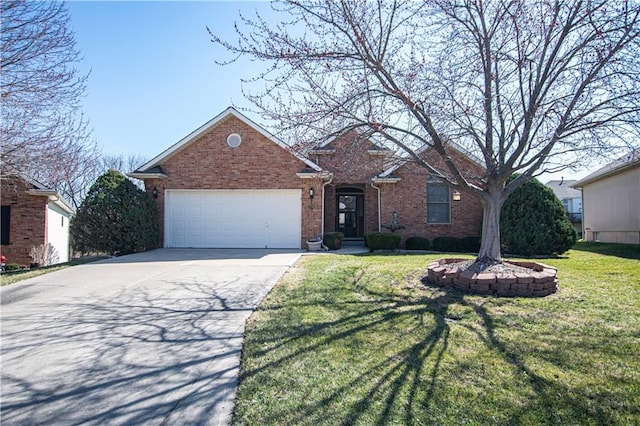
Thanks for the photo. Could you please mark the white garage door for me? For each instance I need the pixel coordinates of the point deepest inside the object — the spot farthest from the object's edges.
(233, 218)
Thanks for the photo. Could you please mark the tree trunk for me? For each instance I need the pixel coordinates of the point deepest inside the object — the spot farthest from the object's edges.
(490, 245)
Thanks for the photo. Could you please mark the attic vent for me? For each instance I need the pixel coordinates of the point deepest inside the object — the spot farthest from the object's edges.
(234, 140)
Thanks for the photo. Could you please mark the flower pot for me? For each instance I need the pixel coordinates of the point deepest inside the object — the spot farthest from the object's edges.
(314, 245)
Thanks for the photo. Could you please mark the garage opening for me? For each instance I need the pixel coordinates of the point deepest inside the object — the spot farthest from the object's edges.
(233, 218)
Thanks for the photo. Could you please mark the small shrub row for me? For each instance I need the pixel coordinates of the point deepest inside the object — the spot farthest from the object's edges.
(383, 241)
(447, 244)
(417, 243)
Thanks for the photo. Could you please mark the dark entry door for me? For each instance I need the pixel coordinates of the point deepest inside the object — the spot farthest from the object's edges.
(350, 215)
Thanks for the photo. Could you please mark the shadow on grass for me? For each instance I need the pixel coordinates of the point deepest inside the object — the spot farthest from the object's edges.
(402, 387)
(626, 251)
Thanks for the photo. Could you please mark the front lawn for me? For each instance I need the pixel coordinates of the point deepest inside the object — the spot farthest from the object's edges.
(360, 340)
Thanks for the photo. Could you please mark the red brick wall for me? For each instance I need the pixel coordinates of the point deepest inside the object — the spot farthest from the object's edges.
(28, 225)
(258, 163)
(352, 166)
(351, 163)
(409, 198)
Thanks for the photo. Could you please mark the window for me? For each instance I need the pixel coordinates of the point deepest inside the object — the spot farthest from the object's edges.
(438, 201)
(5, 218)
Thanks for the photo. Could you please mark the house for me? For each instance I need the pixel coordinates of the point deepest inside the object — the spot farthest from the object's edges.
(611, 201)
(232, 184)
(32, 215)
(571, 199)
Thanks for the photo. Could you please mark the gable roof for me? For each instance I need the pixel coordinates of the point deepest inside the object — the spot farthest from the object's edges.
(151, 168)
(39, 189)
(628, 161)
(406, 159)
(328, 145)
(564, 189)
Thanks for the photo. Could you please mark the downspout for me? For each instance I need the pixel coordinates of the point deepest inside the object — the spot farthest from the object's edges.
(322, 208)
(377, 188)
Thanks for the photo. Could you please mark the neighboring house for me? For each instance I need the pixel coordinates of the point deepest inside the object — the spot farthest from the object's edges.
(611, 201)
(571, 199)
(231, 184)
(32, 215)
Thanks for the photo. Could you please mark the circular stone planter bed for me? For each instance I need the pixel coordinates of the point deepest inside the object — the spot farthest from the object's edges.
(510, 278)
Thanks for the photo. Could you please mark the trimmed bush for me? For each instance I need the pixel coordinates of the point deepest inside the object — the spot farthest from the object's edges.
(417, 243)
(470, 244)
(333, 240)
(449, 244)
(11, 267)
(534, 222)
(383, 241)
(116, 217)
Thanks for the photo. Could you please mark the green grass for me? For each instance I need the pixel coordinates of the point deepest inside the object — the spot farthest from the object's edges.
(360, 340)
(11, 277)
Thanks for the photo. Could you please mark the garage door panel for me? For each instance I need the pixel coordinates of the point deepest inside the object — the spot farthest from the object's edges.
(233, 219)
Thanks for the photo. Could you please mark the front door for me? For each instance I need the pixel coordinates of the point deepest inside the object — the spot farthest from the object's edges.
(350, 214)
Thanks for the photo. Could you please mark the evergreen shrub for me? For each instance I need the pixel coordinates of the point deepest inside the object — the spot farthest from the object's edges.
(333, 240)
(534, 222)
(383, 241)
(418, 243)
(449, 244)
(115, 218)
(469, 244)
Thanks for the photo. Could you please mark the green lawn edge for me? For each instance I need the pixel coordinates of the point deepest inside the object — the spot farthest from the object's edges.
(361, 340)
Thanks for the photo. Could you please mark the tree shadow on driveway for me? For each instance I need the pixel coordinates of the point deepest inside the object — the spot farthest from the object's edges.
(130, 359)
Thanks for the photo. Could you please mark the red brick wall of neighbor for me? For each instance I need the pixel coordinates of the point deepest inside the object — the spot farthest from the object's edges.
(258, 163)
(409, 198)
(28, 225)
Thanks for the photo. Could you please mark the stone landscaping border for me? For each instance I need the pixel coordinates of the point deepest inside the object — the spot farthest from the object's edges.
(542, 281)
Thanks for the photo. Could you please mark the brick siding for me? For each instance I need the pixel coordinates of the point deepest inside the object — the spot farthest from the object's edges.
(353, 166)
(27, 226)
(408, 197)
(258, 163)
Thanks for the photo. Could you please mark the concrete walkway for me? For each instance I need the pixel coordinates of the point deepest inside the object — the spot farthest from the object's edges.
(150, 338)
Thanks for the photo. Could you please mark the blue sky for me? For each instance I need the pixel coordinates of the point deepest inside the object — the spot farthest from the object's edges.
(153, 77)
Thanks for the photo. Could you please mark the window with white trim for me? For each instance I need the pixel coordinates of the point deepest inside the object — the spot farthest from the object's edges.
(438, 201)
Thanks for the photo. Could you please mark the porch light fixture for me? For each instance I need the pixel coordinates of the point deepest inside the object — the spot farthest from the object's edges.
(456, 195)
(311, 193)
(154, 192)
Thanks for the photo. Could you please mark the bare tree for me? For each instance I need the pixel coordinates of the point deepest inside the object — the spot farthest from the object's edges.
(41, 89)
(75, 170)
(526, 86)
(124, 164)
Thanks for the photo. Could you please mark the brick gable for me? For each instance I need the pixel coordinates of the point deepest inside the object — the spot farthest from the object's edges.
(208, 162)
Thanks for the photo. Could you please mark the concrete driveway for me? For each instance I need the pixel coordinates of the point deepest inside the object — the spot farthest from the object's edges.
(151, 338)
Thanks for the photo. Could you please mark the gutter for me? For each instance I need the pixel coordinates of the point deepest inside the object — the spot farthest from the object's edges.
(322, 208)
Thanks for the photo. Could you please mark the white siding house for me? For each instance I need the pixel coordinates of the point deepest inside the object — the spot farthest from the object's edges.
(611, 201)
(58, 229)
(571, 199)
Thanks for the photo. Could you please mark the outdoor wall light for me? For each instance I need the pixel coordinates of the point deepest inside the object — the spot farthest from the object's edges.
(456, 195)
(311, 193)
(154, 192)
